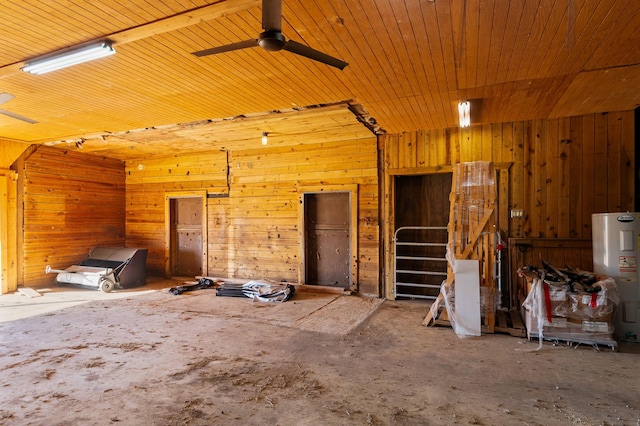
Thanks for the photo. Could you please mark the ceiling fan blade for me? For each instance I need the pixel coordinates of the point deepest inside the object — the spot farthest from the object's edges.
(272, 15)
(227, 48)
(17, 116)
(4, 97)
(316, 55)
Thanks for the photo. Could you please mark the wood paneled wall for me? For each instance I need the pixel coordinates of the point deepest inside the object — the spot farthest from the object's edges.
(72, 203)
(265, 203)
(10, 151)
(8, 234)
(253, 205)
(576, 253)
(149, 182)
(559, 171)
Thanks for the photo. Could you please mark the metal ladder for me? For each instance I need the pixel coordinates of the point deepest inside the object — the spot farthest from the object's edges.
(403, 282)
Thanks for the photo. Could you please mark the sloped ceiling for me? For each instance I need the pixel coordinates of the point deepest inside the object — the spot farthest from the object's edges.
(410, 62)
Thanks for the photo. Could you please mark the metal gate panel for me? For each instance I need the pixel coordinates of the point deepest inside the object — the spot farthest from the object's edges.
(419, 261)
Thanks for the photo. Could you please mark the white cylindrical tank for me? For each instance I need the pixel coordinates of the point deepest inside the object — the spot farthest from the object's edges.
(616, 253)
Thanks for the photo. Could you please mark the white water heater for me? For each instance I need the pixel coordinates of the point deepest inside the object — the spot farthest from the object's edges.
(616, 253)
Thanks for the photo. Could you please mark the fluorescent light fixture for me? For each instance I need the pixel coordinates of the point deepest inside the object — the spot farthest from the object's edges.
(69, 57)
(464, 113)
(265, 138)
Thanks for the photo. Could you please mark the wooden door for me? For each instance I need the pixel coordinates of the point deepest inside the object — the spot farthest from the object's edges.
(186, 236)
(328, 239)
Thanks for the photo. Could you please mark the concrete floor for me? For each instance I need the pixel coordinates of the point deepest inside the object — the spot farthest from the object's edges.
(144, 356)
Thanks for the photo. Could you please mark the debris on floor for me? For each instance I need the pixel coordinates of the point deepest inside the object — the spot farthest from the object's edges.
(260, 290)
(203, 283)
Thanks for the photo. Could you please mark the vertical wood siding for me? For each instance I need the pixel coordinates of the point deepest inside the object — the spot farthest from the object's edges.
(72, 203)
(10, 151)
(562, 170)
(8, 236)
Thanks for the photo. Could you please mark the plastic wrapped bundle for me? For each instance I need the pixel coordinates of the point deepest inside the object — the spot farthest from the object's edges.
(260, 290)
(569, 310)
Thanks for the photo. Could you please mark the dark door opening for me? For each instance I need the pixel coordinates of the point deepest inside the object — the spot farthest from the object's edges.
(421, 201)
(186, 236)
(327, 239)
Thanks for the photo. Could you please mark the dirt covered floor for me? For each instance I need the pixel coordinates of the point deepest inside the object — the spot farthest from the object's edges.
(147, 357)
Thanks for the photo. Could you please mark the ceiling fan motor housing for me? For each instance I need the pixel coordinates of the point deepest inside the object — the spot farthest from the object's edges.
(271, 40)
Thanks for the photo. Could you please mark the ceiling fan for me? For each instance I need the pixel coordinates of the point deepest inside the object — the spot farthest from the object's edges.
(5, 97)
(271, 39)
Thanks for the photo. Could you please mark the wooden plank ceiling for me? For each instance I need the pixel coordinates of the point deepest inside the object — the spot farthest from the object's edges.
(410, 62)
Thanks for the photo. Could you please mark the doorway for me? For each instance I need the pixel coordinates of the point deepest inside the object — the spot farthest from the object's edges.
(327, 238)
(421, 207)
(186, 236)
